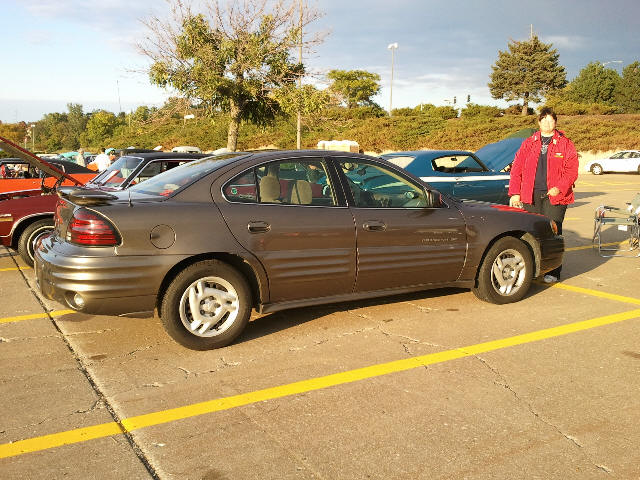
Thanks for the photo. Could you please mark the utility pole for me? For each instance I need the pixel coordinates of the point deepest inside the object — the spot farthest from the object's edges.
(392, 47)
(119, 104)
(299, 122)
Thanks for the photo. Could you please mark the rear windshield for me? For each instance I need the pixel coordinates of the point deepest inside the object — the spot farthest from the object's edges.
(172, 180)
(399, 161)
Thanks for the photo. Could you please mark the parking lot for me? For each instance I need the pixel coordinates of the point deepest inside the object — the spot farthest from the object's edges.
(433, 385)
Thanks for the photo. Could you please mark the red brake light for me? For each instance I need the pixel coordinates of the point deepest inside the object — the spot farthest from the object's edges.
(89, 228)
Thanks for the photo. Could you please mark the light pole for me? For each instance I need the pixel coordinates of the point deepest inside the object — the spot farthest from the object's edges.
(33, 138)
(392, 47)
(299, 116)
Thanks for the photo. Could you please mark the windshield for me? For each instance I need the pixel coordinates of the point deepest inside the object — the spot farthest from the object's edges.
(118, 172)
(172, 180)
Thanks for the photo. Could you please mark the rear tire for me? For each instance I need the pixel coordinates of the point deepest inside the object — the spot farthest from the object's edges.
(31, 234)
(506, 272)
(206, 306)
(596, 169)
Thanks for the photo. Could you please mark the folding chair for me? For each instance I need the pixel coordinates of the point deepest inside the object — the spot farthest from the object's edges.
(625, 219)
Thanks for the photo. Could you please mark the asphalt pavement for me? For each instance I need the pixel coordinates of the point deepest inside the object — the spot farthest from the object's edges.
(432, 385)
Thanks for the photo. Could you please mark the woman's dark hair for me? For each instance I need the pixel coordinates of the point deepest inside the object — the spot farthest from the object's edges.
(547, 111)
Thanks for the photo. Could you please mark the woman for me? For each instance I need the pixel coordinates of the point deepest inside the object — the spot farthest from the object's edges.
(543, 173)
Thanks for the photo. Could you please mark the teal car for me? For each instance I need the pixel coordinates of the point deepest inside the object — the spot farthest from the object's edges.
(483, 175)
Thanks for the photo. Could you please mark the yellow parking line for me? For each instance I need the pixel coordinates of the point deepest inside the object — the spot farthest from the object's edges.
(226, 403)
(13, 269)
(597, 293)
(33, 316)
(585, 247)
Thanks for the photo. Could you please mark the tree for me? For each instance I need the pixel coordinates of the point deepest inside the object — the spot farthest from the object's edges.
(354, 87)
(16, 132)
(53, 132)
(77, 121)
(229, 58)
(594, 84)
(628, 93)
(528, 71)
(101, 126)
(306, 100)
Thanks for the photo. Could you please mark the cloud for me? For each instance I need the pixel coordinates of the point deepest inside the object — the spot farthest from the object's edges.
(40, 37)
(567, 42)
(106, 16)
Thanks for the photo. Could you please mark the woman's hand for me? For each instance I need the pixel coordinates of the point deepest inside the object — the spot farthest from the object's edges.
(514, 201)
(553, 191)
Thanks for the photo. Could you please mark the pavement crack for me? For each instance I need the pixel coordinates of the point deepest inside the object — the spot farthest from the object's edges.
(97, 405)
(502, 381)
(93, 383)
(303, 462)
(89, 332)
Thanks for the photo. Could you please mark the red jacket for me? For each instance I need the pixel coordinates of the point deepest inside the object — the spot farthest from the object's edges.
(562, 168)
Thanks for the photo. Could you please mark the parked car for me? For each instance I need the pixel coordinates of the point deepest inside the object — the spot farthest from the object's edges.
(27, 214)
(16, 174)
(625, 161)
(458, 173)
(205, 242)
(186, 149)
(137, 167)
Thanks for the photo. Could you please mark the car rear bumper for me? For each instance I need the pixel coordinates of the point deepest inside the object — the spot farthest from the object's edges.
(113, 285)
(551, 253)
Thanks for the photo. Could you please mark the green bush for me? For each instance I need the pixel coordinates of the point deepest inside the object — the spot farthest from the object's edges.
(475, 110)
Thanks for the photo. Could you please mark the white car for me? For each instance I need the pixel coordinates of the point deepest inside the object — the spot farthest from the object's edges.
(625, 161)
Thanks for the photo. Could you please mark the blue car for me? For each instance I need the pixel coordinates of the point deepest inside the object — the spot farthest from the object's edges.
(483, 175)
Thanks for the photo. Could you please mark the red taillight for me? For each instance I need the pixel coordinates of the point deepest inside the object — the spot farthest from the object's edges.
(88, 228)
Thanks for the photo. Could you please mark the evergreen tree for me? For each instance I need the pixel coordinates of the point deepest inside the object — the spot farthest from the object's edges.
(628, 92)
(594, 84)
(528, 71)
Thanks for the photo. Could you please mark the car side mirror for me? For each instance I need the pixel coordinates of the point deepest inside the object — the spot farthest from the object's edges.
(434, 198)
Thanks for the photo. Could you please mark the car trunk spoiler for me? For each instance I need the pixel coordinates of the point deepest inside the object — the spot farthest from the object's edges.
(86, 196)
(33, 160)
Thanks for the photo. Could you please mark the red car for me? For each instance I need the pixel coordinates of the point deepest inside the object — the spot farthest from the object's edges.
(17, 174)
(26, 215)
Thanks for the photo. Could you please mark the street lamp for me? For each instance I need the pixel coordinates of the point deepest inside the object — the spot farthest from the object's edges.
(33, 138)
(392, 47)
(610, 61)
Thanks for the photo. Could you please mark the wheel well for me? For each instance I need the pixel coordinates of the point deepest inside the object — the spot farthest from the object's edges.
(23, 225)
(528, 239)
(235, 261)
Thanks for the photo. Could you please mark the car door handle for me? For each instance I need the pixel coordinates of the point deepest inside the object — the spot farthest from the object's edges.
(257, 226)
(375, 226)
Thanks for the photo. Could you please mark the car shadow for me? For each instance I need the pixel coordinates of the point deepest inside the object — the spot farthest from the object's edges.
(581, 196)
(279, 321)
(580, 256)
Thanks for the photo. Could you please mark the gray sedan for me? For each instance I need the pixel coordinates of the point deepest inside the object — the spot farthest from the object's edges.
(206, 242)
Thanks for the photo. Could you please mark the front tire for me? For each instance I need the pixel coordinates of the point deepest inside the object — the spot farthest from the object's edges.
(206, 306)
(31, 234)
(596, 169)
(506, 272)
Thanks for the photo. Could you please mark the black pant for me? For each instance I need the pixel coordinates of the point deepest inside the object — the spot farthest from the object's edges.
(542, 205)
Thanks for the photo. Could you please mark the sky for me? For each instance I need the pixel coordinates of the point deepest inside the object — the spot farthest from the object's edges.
(82, 51)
